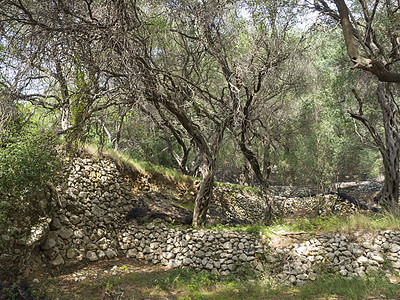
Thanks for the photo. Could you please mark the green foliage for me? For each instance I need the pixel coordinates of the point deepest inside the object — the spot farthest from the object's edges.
(146, 143)
(28, 160)
(155, 152)
(321, 141)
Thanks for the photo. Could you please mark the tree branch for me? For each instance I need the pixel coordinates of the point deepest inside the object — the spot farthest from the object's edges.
(373, 66)
(360, 117)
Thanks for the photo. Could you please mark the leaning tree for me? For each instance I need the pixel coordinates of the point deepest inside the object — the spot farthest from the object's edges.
(85, 54)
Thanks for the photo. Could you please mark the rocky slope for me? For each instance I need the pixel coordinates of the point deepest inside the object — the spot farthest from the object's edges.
(104, 209)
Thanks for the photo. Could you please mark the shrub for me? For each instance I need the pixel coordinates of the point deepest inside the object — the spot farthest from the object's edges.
(28, 160)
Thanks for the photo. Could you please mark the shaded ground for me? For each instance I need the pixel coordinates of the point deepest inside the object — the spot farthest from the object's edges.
(367, 192)
(119, 278)
(123, 278)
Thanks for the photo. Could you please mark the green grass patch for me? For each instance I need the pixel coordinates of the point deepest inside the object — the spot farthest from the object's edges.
(357, 288)
(186, 205)
(142, 166)
(356, 222)
(189, 284)
(239, 187)
(250, 228)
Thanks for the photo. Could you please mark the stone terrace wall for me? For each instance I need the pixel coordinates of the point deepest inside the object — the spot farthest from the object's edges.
(348, 255)
(89, 225)
(238, 204)
(321, 205)
(92, 206)
(214, 251)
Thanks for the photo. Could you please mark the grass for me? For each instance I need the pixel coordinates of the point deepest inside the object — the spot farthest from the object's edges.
(356, 288)
(173, 284)
(355, 222)
(186, 205)
(187, 284)
(142, 166)
(237, 186)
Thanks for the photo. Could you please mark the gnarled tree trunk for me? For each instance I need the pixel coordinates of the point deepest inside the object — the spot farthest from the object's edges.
(390, 155)
(255, 166)
(118, 129)
(204, 195)
(389, 148)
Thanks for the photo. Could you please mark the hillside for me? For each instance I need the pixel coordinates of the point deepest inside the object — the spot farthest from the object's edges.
(107, 209)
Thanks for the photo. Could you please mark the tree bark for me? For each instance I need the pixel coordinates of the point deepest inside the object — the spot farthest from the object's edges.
(65, 105)
(204, 195)
(255, 166)
(390, 189)
(208, 152)
(389, 148)
(118, 129)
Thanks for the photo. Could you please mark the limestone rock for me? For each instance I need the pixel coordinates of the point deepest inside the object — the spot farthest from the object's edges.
(363, 260)
(57, 261)
(111, 253)
(65, 233)
(49, 243)
(91, 256)
(72, 253)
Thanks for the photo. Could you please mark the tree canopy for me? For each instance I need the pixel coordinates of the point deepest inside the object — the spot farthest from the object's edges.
(211, 87)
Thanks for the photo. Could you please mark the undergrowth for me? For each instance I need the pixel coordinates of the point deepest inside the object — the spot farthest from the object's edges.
(189, 284)
(328, 286)
(345, 224)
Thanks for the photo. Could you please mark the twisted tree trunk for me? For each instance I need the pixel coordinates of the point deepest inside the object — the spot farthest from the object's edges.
(263, 180)
(390, 155)
(204, 195)
(390, 147)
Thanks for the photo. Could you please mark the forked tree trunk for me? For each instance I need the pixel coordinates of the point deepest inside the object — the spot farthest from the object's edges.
(255, 166)
(204, 195)
(390, 189)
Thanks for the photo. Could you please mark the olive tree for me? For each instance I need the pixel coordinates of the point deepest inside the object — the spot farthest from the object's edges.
(51, 60)
(370, 30)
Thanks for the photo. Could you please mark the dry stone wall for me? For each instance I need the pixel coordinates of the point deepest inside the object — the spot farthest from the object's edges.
(347, 255)
(214, 251)
(90, 225)
(92, 205)
(235, 203)
(320, 205)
